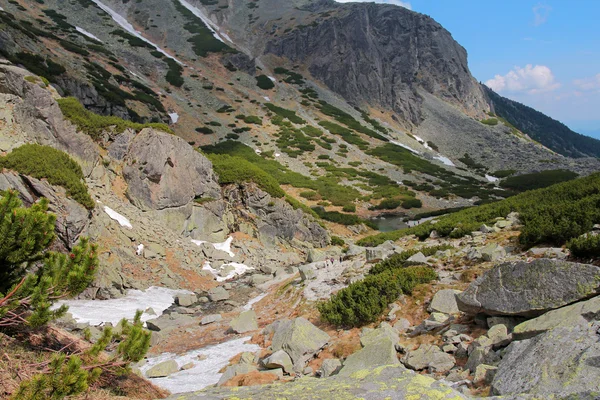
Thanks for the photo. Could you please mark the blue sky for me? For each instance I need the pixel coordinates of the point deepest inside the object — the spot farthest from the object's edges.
(545, 54)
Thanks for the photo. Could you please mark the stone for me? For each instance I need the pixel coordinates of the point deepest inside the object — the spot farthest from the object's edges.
(474, 254)
(418, 258)
(481, 355)
(385, 331)
(167, 322)
(402, 325)
(247, 358)
(493, 252)
(562, 363)
(300, 339)
(376, 254)
(209, 319)
(529, 289)
(308, 371)
(486, 229)
(245, 322)
(429, 357)
(163, 369)
(549, 252)
(571, 315)
(187, 366)
(307, 272)
(259, 279)
(370, 356)
(385, 382)
(484, 374)
(279, 359)
(218, 293)
(330, 366)
(449, 348)
(235, 370)
(503, 224)
(444, 301)
(499, 336)
(186, 300)
(354, 250)
(509, 322)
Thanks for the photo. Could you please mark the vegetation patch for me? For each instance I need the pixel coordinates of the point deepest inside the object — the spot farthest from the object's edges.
(537, 180)
(43, 162)
(285, 113)
(94, 124)
(203, 41)
(363, 302)
(264, 82)
(348, 120)
(238, 170)
(550, 216)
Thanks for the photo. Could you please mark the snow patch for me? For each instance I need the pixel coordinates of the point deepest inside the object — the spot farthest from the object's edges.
(129, 28)
(118, 217)
(445, 160)
(266, 98)
(88, 34)
(225, 246)
(238, 269)
(257, 151)
(423, 142)
(271, 78)
(405, 146)
(209, 24)
(491, 178)
(205, 372)
(174, 117)
(97, 312)
(140, 250)
(1, 9)
(277, 155)
(253, 301)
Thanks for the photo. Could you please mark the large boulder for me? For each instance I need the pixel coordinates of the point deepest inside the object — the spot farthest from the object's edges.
(245, 322)
(300, 339)
(571, 315)
(387, 382)
(372, 355)
(563, 362)
(385, 331)
(529, 289)
(163, 171)
(163, 369)
(279, 359)
(444, 301)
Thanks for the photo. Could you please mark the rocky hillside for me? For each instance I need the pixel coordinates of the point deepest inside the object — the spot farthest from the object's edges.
(291, 84)
(540, 127)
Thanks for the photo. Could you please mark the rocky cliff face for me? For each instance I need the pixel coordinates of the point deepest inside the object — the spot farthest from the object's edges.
(380, 54)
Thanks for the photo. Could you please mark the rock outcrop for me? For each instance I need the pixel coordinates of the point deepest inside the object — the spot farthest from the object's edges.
(387, 382)
(163, 171)
(374, 53)
(300, 339)
(529, 289)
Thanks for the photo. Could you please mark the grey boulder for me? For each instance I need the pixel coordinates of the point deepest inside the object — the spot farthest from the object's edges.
(563, 362)
(300, 339)
(444, 301)
(529, 289)
(245, 322)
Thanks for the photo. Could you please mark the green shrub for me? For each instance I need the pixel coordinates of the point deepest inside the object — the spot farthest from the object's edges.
(43, 162)
(388, 204)
(537, 180)
(94, 124)
(349, 208)
(174, 73)
(411, 203)
(263, 82)
(285, 113)
(363, 302)
(348, 120)
(585, 246)
(337, 241)
(345, 133)
(490, 121)
(253, 119)
(238, 170)
(504, 173)
(310, 195)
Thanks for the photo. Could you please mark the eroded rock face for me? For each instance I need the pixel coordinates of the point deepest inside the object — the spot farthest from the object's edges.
(377, 53)
(39, 119)
(529, 289)
(562, 362)
(163, 171)
(387, 382)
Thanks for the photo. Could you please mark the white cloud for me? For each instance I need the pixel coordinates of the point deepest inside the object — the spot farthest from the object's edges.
(541, 12)
(400, 3)
(530, 80)
(588, 84)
